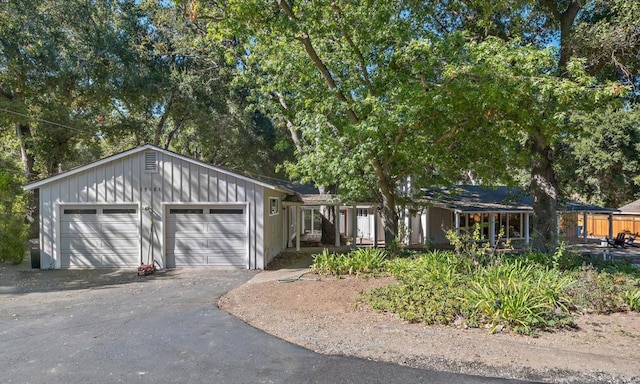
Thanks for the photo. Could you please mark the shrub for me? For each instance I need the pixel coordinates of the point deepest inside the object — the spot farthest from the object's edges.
(519, 295)
(600, 291)
(632, 299)
(13, 237)
(519, 292)
(361, 261)
(428, 289)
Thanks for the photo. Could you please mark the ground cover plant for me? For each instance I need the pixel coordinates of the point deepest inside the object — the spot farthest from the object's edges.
(522, 292)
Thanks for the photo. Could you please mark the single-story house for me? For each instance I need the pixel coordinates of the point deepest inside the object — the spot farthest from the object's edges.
(459, 207)
(149, 205)
(507, 208)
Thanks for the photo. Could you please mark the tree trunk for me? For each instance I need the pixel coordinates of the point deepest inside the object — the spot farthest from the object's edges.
(545, 196)
(24, 135)
(389, 217)
(23, 132)
(329, 216)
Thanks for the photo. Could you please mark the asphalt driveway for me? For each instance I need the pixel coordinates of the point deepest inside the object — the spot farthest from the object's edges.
(110, 326)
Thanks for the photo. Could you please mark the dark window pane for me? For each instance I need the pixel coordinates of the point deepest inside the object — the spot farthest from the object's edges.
(187, 211)
(78, 211)
(115, 211)
(226, 211)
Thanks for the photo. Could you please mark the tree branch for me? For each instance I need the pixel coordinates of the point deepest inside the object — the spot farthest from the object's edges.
(361, 60)
(163, 120)
(305, 39)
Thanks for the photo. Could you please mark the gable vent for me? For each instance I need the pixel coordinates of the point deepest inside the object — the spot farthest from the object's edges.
(150, 163)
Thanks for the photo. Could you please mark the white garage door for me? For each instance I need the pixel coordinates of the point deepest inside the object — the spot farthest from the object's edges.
(99, 236)
(207, 236)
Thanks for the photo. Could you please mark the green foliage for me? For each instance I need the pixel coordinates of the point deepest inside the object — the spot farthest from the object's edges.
(13, 237)
(632, 299)
(602, 162)
(428, 290)
(363, 261)
(560, 259)
(600, 291)
(13, 229)
(473, 245)
(524, 293)
(519, 295)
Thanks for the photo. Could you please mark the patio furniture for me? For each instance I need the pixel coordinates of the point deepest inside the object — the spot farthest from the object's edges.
(619, 241)
(630, 241)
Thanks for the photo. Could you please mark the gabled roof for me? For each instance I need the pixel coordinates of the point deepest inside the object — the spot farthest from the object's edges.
(310, 194)
(147, 147)
(631, 208)
(474, 198)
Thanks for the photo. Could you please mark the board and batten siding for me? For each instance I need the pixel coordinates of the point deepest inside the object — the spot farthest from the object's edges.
(175, 181)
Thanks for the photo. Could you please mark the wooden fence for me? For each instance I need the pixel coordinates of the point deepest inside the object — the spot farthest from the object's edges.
(598, 225)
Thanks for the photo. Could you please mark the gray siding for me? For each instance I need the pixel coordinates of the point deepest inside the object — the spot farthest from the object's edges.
(124, 180)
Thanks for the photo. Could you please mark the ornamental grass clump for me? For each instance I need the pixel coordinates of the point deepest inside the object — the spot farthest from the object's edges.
(519, 296)
(363, 261)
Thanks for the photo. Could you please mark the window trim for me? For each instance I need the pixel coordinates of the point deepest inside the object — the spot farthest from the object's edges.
(274, 206)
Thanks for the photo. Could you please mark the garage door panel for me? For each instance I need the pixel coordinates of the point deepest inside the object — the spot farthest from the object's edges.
(97, 227)
(127, 259)
(119, 228)
(215, 237)
(226, 228)
(103, 239)
(188, 227)
(189, 260)
(195, 260)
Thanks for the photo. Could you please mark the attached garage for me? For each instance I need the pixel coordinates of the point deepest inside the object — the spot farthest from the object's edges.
(150, 205)
(207, 235)
(99, 236)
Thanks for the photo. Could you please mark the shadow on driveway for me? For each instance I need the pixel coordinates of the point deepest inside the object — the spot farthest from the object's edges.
(19, 279)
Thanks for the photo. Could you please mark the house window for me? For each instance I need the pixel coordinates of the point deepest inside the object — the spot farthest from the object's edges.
(515, 225)
(274, 206)
(311, 220)
(363, 212)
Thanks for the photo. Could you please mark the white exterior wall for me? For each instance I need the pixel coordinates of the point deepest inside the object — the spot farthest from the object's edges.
(177, 180)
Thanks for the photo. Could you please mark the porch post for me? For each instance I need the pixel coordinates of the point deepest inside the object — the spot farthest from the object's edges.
(427, 229)
(423, 222)
(354, 226)
(407, 227)
(457, 222)
(336, 219)
(290, 224)
(526, 229)
(610, 225)
(584, 227)
(298, 231)
(375, 227)
(492, 229)
(285, 227)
